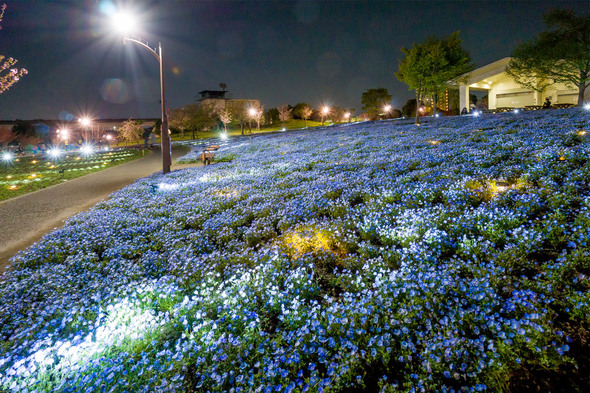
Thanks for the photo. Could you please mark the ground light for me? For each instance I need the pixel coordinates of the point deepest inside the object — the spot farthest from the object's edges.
(587, 107)
(7, 156)
(86, 150)
(54, 153)
(223, 136)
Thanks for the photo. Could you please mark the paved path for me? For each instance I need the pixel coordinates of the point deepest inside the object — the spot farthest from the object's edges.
(25, 219)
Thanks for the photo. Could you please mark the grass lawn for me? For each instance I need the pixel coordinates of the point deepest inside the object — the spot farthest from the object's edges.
(30, 173)
(378, 256)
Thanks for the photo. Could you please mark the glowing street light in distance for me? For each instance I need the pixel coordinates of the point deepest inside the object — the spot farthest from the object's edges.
(63, 133)
(85, 121)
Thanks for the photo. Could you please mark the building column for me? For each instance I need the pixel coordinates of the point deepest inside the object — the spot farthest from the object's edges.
(463, 97)
(537, 98)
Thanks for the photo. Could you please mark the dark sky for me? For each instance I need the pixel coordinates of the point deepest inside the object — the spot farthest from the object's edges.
(275, 51)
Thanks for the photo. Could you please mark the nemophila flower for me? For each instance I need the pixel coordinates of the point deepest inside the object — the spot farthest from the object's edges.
(276, 273)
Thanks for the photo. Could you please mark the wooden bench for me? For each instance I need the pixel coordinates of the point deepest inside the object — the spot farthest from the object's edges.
(208, 154)
(561, 106)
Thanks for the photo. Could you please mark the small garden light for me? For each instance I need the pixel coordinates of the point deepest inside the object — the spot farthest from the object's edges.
(54, 153)
(86, 150)
(587, 107)
(7, 156)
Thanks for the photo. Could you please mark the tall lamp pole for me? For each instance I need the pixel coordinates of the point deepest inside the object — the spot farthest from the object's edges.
(166, 160)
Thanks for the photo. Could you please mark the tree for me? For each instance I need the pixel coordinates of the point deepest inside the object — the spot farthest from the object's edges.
(559, 55)
(306, 113)
(131, 130)
(272, 115)
(9, 75)
(225, 116)
(194, 117)
(298, 110)
(285, 113)
(409, 108)
(239, 114)
(257, 114)
(374, 100)
(7, 136)
(428, 67)
(178, 118)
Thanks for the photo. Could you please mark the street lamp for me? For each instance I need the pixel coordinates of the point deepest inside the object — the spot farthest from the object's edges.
(387, 109)
(86, 122)
(325, 112)
(252, 113)
(125, 21)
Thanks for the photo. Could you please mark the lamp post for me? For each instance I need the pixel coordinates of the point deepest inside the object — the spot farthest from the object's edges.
(387, 109)
(325, 112)
(166, 160)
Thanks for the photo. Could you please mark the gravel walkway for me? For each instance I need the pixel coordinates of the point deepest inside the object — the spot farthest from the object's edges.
(25, 219)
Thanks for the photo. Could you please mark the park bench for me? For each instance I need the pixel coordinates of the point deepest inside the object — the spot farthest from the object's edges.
(208, 154)
(561, 106)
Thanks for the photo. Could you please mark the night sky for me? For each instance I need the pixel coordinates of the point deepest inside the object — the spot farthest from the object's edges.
(319, 52)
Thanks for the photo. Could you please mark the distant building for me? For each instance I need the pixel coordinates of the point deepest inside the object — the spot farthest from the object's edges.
(50, 130)
(504, 92)
(219, 101)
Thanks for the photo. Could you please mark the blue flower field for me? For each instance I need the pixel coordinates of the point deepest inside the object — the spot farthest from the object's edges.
(367, 257)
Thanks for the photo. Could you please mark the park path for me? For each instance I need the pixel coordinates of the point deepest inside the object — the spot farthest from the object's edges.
(25, 219)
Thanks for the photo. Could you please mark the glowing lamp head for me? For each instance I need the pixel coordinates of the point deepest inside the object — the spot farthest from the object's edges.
(516, 111)
(252, 112)
(124, 22)
(326, 110)
(85, 121)
(387, 108)
(223, 136)
(587, 106)
(346, 115)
